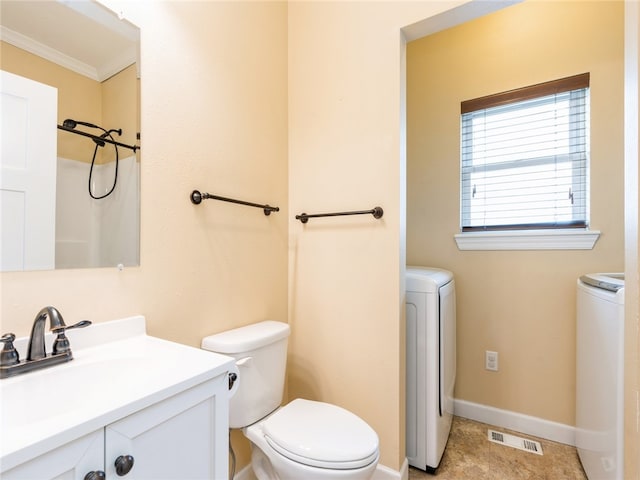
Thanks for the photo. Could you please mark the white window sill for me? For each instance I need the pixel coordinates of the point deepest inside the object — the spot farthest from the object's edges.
(568, 239)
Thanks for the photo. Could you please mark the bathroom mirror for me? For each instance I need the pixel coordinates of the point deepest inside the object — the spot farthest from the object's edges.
(68, 200)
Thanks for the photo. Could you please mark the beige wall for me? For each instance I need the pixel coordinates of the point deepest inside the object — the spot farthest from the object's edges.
(346, 285)
(214, 118)
(120, 107)
(209, 125)
(518, 303)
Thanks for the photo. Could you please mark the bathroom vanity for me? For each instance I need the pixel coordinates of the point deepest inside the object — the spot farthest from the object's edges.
(128, 405)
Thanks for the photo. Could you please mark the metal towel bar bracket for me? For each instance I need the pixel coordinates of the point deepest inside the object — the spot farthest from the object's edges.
(377, 212)
(197, 197)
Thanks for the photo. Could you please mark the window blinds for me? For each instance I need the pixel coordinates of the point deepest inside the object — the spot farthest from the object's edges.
(525, 157)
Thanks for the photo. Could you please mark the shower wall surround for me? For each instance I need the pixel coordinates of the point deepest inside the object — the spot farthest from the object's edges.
(95, 233)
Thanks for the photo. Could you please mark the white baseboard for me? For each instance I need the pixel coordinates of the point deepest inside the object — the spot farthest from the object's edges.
(538, 427)
(381, 473)
(386, 473)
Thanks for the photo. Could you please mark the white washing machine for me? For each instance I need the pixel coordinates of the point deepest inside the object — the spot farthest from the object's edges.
(600, 375)
(431, 364)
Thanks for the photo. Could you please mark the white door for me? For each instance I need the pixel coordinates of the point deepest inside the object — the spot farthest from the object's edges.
(28, 139)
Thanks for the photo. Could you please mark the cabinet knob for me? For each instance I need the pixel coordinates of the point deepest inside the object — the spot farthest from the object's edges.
(124, 464)
(95, 475)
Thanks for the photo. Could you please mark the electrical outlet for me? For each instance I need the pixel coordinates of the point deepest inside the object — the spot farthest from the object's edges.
(491, 361)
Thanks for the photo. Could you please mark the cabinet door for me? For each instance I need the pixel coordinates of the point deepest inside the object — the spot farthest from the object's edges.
(183, 437)
(71, 461)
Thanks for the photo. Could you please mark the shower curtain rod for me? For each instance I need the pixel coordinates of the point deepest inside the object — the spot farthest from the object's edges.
(197, 197)
(377, 212)
(99, 139)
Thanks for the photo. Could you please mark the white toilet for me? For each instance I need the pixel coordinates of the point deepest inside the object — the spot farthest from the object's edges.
(303, 439)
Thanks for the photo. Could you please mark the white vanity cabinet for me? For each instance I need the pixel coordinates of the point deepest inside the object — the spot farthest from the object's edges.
(168, 416)
(173, 439)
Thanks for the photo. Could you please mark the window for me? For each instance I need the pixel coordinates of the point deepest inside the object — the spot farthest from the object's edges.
(525, 158)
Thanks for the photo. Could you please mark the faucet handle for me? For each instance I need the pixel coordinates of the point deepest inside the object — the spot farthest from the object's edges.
(9, 355)
(61, 343)
(61, 328)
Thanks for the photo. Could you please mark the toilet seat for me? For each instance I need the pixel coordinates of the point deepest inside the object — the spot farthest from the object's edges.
(321, 435)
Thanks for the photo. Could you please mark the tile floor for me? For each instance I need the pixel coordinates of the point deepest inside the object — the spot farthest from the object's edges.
(470, 455)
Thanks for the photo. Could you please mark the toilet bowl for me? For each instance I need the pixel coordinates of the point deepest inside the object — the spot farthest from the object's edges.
(313, 441)
(304, 439)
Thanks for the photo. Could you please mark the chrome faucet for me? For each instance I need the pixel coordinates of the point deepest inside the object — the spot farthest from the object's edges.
(37, 358)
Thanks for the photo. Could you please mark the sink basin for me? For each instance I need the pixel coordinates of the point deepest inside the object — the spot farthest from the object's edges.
(33, 398)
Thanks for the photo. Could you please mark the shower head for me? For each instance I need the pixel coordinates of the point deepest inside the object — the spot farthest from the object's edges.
(69, 123)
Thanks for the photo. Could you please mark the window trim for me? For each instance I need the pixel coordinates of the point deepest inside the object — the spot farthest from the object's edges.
(550, 239)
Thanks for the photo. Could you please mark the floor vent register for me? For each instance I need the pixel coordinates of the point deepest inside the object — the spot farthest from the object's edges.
(515, 442)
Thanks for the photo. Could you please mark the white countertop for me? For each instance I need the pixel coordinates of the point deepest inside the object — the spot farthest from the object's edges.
(117, 370)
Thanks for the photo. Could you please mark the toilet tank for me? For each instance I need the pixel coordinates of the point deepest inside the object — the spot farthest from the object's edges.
(260, 351)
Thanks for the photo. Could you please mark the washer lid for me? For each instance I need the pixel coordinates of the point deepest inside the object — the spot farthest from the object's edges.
(321, 435)
(426, 279)
(607, 281)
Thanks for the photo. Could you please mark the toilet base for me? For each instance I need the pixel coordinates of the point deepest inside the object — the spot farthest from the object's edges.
(261, 465)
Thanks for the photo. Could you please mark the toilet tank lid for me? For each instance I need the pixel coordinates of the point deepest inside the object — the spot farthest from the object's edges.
(247, 338)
